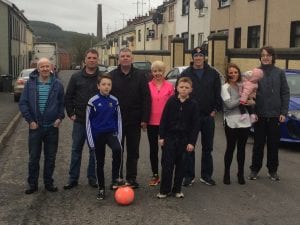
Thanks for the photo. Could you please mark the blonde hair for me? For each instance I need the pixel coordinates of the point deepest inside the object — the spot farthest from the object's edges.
(158, 65)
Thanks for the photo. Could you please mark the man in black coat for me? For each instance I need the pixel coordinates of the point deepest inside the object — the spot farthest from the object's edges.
(130, 86)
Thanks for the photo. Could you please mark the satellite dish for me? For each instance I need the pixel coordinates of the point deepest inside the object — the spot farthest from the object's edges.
(199, 4)
(157, 18)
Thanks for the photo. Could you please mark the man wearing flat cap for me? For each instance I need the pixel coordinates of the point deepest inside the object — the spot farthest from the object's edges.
(206, 91)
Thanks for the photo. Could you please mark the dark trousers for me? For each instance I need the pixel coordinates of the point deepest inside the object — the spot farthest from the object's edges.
(207, 129)
(235, 137)
(37, 138)
(266, 130)
(172, 156)
(152, 133)
(131, 137)
(112, 141)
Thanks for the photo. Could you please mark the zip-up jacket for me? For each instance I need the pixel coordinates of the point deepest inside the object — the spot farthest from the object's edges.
(273, 93)
(180, 119)
(133, 94)
(29, 105)
(103, 116)
(81, 88)
(206, 90)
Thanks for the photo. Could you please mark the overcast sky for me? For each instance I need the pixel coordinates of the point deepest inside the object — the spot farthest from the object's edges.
(81, 15)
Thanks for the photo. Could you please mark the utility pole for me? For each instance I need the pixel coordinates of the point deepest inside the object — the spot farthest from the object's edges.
(137, 7)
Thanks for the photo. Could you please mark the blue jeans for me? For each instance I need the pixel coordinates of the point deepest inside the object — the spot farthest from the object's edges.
(79, 137)
(38, 137)
(207, 129)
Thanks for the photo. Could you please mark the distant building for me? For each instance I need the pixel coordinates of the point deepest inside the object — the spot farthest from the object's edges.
(15, 39)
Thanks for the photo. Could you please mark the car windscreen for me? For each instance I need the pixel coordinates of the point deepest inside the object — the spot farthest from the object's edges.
(294, 84)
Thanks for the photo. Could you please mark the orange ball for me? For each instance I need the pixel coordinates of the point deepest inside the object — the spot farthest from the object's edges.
(124, 195)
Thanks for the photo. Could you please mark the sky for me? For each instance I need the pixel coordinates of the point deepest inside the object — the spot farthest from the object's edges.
(81, 15)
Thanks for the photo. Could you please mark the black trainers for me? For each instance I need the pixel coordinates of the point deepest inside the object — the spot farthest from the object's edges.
(132, 183)
(101, 194)
(252, 175)
(93, 183)
(274, 176)
(31, 190)
(70, 185)
(51, 188)
(208, 181)
(188, 181)
(116, 184)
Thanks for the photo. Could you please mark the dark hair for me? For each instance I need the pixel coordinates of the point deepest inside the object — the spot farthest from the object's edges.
(232, 65)
(125, 49)
(91, 50)
(270, 50)
(185, 80)
(102, 76)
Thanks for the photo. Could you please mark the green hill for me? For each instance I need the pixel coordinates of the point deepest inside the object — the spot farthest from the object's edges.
(75, 43)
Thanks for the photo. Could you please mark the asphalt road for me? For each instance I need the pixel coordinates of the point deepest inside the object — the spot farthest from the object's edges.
(256, 203)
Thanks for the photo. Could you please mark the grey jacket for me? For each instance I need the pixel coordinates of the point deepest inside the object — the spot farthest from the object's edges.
(273, 93)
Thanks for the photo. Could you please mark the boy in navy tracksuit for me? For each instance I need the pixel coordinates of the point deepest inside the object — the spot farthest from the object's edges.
(178, 133)
(103, 125)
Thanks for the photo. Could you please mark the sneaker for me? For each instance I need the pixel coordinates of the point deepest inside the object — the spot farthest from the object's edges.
(179, 195)
(93, 183)
(116, 184)
(101, 194)
(188, 181)
(161, 196)
(154, 180)
(208, 181)
(31, 190)
(274, 176)
(252, 175)
(132, 183)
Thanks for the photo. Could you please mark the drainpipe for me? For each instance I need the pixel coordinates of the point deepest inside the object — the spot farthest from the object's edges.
(265, 22)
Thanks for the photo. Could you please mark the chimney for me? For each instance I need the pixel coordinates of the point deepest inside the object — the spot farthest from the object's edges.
(99, 23)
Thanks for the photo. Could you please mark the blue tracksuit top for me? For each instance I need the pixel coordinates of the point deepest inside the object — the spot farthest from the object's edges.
(103, 116)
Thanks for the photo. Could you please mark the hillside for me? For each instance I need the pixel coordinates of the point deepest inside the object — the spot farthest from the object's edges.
(75, 43)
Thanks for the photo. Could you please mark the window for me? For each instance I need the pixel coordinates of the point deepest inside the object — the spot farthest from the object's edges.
(253, 37)
(200, 38)
(295, 34)
(139, 36)
(171, 13)
(192, 41)
(224, 3)
(185, 36)
(237, 37)
(185, 7)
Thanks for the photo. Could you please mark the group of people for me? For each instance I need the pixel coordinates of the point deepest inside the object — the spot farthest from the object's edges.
(112, 109)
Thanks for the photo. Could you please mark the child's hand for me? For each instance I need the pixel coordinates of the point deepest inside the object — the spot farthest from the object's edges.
(190, 147)
(161, 142)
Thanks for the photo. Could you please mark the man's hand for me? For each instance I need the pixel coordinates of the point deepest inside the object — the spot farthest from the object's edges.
(161, 142)
(190, 147)
(213, 113)
(281, 118)
(33, 125)
(57, 123)
(144, 126)
(73, 118)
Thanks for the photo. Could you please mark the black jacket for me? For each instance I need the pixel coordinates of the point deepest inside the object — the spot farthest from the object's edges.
(80, 89)
(133, 94)
(207, 90)
(180, 120)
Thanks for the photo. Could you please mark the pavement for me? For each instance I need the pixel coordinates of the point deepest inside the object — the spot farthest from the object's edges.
(9, 116)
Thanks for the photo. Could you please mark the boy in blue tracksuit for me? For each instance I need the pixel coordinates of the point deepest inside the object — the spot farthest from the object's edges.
(178, 132)
(104, 126)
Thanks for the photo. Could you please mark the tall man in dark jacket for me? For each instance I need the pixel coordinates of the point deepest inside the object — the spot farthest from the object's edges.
(272, 103)
(82, 86)
(42, 106)
(131, 88)
(206, 91)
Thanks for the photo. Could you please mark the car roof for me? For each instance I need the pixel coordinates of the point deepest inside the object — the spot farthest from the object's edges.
(292, 72)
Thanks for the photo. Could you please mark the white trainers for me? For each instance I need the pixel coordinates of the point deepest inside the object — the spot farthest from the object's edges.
(161, 196)
(179, 195)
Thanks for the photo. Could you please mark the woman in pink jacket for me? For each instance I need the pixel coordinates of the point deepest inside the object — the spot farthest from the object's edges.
(160, 91)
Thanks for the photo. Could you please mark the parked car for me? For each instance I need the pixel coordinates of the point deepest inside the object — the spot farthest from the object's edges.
(20, 82)
(144, 66)
(290, 129)
(174, 73)
(111, 68)
(77, 67)
(102, 68)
